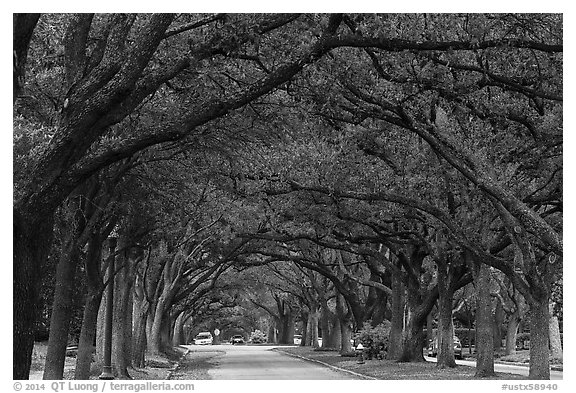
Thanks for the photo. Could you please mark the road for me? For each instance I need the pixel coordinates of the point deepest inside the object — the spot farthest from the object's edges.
(262, 363)
(504, 368)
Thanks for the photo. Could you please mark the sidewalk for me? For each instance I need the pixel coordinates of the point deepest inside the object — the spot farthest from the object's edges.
(554, 367)
(523, 359)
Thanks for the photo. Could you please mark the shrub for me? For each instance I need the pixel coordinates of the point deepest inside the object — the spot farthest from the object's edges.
(374, 339)
(257, 336)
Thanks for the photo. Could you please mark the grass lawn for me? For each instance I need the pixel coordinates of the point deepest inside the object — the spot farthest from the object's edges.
(157, 367)
(388, 369)
(39, 358)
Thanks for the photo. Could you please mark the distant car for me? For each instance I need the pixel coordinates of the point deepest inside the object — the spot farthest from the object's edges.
(297, 339)
(203, 338)
(237, 339)
(433, 348)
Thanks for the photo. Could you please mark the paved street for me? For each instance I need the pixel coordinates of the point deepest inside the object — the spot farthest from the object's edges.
(262, 363)
(503, 368)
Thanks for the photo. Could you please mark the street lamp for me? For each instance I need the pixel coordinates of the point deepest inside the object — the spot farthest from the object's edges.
(107, 366)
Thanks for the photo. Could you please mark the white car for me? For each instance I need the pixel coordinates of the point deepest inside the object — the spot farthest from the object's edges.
(203, 338)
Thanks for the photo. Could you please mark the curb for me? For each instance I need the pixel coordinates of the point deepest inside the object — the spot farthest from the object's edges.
(553, 368)
(556, 367)
(326, 364)
(559, 368)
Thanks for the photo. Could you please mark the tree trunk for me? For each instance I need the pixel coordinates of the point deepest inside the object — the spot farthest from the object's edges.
(304, 339)
(397, 318)
(23, 28)
(178, 336)
(92, 304)
(62, 309)
(101, 342)
(166, 334)
(345, 319)
(312, 330)
(324, 325)
(129, 325)
(287, 328)
(330, 323)
(285, 322)
(272, 336)
(100, 328)
(449, 271)
(484, 333)
(445, 333)
(555, 341)
(335, 337)
(122, 314)
(74, 217)
(154, 336)
(87, 336)
(31, 241)
(539, 333)
(345, 336)
(139, 333)
(470, 335)
(189, 338)
(497, 325)
(121, 327)
(511, 332)
(413, 340)
(536, 292)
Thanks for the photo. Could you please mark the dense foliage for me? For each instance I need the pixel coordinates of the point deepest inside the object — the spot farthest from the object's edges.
(287, 172)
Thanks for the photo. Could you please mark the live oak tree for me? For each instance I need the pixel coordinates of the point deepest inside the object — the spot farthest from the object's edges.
(326, 210)
(308, 288)
(105, 77)
(458, 102)
(458, 83)
(84, 213)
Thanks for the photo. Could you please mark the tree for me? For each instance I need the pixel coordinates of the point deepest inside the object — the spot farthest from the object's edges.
(450, 99)
(102, 86)
(23, 28)
(471, 100)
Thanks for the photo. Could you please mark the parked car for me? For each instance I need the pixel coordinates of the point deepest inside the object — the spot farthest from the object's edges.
(237, 339)
(433, 348)
(203, 338)
(297, 339)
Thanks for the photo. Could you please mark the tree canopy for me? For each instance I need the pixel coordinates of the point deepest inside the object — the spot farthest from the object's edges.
(358, 155)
